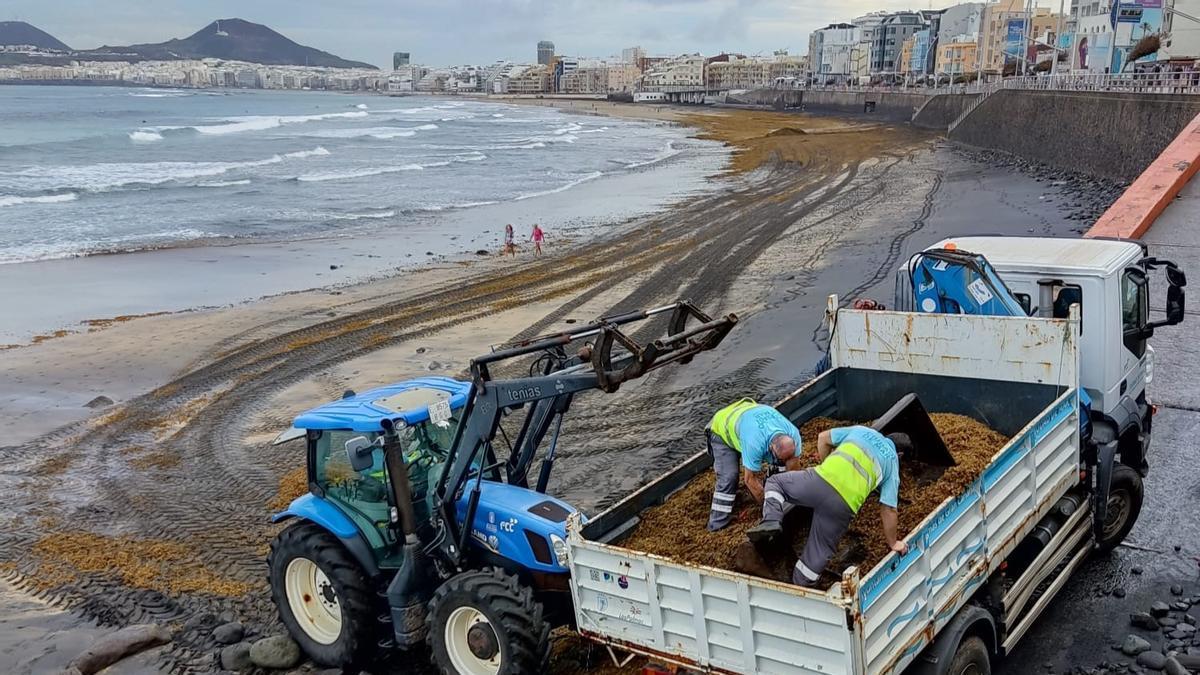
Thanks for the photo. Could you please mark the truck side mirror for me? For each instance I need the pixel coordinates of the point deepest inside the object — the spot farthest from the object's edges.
(1175, 308)
(358, 451)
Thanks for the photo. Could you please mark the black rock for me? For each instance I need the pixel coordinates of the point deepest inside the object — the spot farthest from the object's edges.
(1180, 606)
(278, 651)
(229, 633)
(1144, 621)
(236, 657)
(98, 402)
(1160, 609)
(1177, 590)
(1134, 645)
(428, 252)
(1190, 660)
(1178, 548)
(420, 350)
(1167, 622)
(1118, 592)
(482, 252)
(333, 267)
(1136, 569)
(1151, 659)
(1172, 666)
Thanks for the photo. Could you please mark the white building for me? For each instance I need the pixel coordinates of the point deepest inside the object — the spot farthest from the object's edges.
(833, 51)
(633, 55)
(682, 71)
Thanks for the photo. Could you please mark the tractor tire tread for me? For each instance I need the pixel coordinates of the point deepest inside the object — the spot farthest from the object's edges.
(520, 617)
(357, 601)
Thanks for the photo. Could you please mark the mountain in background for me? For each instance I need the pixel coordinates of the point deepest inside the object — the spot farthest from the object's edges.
(235, 40)
(21, 33)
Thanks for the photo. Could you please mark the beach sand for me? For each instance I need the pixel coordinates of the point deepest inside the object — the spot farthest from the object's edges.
(813, 206)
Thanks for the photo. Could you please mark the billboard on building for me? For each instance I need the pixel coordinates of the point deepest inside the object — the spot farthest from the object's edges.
(1014, 38)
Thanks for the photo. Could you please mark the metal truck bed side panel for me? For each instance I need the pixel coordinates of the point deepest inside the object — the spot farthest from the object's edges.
(907, 599)
(719, 620)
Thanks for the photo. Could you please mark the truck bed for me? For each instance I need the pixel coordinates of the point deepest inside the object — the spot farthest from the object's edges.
(1015, 375)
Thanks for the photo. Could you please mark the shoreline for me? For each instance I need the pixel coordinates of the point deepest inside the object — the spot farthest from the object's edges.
(579, 213)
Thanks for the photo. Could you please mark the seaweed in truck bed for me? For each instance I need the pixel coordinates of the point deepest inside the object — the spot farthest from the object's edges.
(676, 528)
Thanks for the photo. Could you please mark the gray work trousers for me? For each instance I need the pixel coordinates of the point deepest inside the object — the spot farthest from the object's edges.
(831, 517)
(727, 464)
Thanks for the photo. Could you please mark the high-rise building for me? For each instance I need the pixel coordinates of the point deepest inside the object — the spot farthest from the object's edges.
(545, 52)
(399, 59)
(633, 55)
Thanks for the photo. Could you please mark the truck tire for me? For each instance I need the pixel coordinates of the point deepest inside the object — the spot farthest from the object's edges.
(971, 658)
(1124, 506)
(486, 623)
(323, 596)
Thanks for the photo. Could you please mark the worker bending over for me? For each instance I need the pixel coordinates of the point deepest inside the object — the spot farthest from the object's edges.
(746, 437)
(855, 461)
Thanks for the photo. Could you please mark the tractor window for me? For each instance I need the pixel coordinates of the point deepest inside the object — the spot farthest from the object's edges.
(363, 495)
(1135, 310)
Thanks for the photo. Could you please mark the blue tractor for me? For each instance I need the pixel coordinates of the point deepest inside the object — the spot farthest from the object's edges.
(422, 527)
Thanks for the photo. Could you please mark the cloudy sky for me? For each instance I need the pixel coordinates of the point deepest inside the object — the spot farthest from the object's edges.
(444, 32)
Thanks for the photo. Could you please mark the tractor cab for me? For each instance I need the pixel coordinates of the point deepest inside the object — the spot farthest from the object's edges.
(345, 452)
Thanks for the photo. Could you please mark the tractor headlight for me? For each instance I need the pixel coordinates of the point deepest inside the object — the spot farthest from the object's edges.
(560, 549)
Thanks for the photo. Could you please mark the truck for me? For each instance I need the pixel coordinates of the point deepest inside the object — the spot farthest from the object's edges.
(979, 569)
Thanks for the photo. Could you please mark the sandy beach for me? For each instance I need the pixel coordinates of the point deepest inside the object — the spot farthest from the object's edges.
(809, 206)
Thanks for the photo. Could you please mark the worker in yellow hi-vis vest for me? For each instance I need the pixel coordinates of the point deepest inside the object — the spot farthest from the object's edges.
(746, 438)
(855, 461)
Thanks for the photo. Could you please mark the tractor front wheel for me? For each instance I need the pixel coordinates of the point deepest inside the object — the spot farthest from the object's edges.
(323, 596)
(486, 623)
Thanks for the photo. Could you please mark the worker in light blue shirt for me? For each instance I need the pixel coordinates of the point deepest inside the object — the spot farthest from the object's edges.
(855, 461)
(746, 438)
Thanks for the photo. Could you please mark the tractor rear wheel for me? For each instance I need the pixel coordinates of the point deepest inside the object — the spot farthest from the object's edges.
(323, 596)
(486, 623)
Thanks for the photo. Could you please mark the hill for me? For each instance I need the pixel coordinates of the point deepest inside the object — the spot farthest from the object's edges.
(21, 33)
(236, 40)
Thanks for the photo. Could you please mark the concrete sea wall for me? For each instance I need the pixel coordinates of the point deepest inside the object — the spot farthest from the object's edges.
(1110, 134)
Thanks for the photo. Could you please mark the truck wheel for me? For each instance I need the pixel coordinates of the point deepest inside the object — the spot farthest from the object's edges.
(323, 596)
(486, 623)
(971, 658)
(1124, 505)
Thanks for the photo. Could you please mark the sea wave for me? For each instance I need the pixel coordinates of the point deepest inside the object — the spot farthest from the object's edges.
(666, 153)
(168, 93)
(594, 131)
(113, 175)
(224, 183)
(369, 215)
(14, 200)
(572, 127)
(362, 106)
(359, 173)
(235, 125)
(84, 247)
(382, 133)
(315, 152)
(562, 188)
(145, 136)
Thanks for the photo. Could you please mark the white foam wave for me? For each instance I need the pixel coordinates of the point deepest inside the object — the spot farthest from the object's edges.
(145, 136)
(562, 188)
(224, 183)
(497, 114)
(382, 133)
(594, 131)
(234, 125)
(111, 175)
(43, 199)
(360, 173)
(667, 152)
(572, 127)
(76, 247)
(362, 106)
(169, 93)
(371, 215)
(315, 152)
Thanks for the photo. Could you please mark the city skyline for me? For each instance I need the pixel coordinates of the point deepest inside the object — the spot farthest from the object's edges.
(370, 30)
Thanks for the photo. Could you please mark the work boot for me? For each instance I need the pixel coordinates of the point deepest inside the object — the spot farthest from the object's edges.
(765, 531)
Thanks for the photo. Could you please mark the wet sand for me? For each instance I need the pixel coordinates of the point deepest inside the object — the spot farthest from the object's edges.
(183, 456)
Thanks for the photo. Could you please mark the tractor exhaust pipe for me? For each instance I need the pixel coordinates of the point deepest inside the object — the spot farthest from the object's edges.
(406, 594)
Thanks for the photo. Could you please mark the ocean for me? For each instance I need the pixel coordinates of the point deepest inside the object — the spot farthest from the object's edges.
(87, 170)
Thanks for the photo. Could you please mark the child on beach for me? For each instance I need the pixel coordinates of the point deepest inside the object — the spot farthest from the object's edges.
(509, 247)
(537, 237)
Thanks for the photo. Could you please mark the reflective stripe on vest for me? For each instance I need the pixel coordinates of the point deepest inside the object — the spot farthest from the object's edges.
(851, 472)
(724, 423)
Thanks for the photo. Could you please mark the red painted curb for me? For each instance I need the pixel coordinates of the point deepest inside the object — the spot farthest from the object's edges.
(1136, 210)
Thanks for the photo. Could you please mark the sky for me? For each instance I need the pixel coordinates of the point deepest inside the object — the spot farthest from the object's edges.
(451, 32)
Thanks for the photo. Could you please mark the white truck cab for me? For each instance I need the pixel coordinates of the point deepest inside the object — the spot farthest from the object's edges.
(1109, 280)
